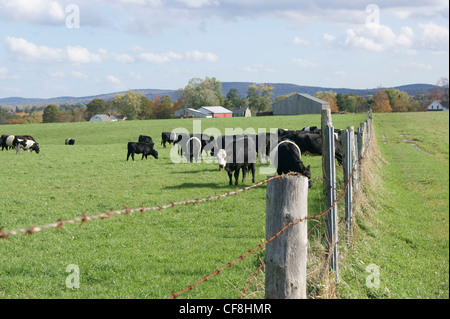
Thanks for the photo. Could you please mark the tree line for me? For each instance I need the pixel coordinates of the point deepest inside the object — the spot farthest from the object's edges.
(208, 92)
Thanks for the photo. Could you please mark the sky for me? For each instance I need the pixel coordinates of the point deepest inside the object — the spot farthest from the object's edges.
(52, 48)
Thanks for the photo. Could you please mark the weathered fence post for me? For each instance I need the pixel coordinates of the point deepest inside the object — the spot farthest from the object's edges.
(329, 188)
(348, 169)
(286, 255)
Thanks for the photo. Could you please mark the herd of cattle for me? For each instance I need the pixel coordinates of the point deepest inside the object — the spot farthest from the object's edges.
(24, 142)
(233, 152)
(238, 152)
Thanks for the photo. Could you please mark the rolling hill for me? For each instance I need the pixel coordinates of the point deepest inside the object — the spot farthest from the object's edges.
(279, 89)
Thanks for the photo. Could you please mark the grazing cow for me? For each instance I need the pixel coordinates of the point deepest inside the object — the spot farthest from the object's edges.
(193, 149)
(141, 148)
(27, 145)
(168, 137)
(26, 137)
(287, 158)
(237, 155)
(183, 139)
(311, 142)
(11, 141)
(70, 141)
(146, 139)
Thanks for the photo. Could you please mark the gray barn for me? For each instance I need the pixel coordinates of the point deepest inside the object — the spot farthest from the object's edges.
(299, 103)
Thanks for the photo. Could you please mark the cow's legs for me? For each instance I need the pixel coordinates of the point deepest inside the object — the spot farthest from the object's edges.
(236, 176)
(230, 176)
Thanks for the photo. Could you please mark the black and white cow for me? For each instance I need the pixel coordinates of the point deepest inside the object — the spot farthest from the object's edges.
(141, 148)
(70, 141)
(11, 141)
(237, 155)
(168, 137)
(286, 157)
(193, 149)
(27, 145)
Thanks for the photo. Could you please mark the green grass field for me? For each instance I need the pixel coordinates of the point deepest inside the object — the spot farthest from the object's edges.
(162, 252)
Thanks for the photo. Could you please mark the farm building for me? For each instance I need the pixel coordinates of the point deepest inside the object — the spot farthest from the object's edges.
(438, 106)
(107, 118)
(299, 103)
(215, 111)
(189, 112)
(242, 112)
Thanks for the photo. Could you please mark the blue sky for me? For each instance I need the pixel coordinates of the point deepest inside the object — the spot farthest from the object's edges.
(52, 48)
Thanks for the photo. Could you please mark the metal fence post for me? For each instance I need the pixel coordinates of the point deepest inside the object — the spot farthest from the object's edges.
(348, 168)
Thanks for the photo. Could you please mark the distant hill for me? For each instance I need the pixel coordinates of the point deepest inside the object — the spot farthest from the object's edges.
(279, 89)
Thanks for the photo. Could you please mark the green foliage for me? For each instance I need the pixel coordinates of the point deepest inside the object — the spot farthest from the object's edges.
(50, 114)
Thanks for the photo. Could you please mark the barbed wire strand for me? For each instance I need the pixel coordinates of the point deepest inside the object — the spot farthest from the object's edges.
(282, 230)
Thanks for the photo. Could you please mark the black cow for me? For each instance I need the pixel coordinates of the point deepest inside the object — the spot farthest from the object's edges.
(184, 138)
(141, 148)
(237, 155)
(311, 142)
(288, 159)
(168, 137)
(146, 139)
(70, 141)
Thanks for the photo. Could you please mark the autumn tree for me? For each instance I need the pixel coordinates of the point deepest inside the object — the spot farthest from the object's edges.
(381, 102)
(163, 107)
(330, 97)
(398, 100)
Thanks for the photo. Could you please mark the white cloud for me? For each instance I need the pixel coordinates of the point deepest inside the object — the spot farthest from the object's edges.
(298, 41)
(257, 67)
(113, 80)
(27, 51)
(161, 57)
(198, 3)
(198, 56)
(434, 38)
(48, 12)
(304, 63)
(5, 74)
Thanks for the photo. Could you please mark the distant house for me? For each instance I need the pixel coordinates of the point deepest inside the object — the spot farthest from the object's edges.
(241, 112)
(107, 118)
(299, 103)
(215, 111)
(438, 106)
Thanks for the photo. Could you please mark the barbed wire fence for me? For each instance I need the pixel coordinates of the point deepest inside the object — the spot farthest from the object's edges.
(355, 146)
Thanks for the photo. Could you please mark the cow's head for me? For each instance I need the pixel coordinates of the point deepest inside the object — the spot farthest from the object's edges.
(222, 158)
(154, 153)
(307, 173)
(35, 147)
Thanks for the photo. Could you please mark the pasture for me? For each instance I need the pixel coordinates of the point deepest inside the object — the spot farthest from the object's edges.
(141, 256)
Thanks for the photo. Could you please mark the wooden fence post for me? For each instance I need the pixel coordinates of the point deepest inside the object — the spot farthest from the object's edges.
(286, 255)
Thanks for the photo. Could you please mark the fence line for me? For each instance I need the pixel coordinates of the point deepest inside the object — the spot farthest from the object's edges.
(360, 146)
